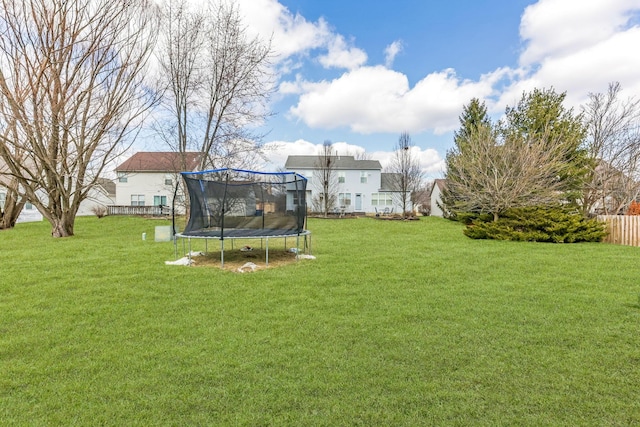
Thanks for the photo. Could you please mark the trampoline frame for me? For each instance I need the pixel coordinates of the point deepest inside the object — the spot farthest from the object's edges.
(232, 234)
(306, 235)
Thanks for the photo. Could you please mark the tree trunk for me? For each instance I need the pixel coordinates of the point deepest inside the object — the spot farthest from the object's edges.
(9, 214)
(62, 227)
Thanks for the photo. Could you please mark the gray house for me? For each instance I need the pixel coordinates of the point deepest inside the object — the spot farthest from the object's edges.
(360, 186)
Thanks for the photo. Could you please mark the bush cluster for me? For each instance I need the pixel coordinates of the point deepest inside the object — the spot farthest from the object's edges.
(538, 224)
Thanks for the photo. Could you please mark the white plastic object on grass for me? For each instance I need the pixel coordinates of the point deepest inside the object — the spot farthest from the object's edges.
(249, 266)
(181, 261)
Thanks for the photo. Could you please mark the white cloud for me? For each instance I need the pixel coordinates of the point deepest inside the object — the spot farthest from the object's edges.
(293, 35)
(341, 55)
(555, 28)
(376, 99)
(391, 51)
(431, 163)
(290, 33)
(578, 50)
(574, 49)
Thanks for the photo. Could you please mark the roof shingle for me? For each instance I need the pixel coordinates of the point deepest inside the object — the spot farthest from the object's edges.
(340, 162)
(159, 161)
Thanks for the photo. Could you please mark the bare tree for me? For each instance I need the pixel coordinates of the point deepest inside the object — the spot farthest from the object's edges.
(71, 90)
(216, 82)
(12, 204)
(613, 143)
(490, 177)
(325, 180)
(406, 174)
(13, 200)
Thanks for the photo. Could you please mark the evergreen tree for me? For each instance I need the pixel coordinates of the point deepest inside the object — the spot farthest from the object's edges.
(541, 116)
(474, 116)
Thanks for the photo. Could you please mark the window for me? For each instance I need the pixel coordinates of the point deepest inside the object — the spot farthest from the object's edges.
(341, 177)
(122, 177)
(137, 200)
(159, 200)
(168, 180)
(344, 199)
(28, 206)
(381, 199)
(363, 177)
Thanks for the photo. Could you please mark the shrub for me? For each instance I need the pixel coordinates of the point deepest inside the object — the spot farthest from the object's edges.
(539, 224)
(99, 210)
(634, 208)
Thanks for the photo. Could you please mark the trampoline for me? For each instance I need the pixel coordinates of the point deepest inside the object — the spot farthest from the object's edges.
(229, 204)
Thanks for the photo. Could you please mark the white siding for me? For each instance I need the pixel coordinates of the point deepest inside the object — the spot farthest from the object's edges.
(149, 184)
(352, 185)
(435, 199)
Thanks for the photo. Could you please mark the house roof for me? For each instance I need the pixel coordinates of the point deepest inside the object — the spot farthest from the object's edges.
(108, 185)
(159, 161)
(440, 183)
(340, 162)
(388, 181)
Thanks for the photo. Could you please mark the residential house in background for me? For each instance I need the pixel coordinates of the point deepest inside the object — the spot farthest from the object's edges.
(103, 194)
(150, 178)
(436, 197)
(360, 185)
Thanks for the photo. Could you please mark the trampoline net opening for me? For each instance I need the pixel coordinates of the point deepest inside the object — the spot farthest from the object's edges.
(234, 203)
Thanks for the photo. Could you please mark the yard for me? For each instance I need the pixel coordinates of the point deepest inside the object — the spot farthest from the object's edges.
(394, 323)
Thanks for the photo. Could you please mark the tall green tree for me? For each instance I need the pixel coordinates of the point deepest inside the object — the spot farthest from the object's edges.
(474, 116)
(490, 175)
(533, 157)
(540, 115)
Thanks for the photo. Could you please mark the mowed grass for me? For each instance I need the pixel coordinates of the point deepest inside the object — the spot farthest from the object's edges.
(394, 323)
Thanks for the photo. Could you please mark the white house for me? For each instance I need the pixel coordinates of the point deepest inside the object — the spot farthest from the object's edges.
(436, 197)
(103, 194)
(150, 178)
(360, 185)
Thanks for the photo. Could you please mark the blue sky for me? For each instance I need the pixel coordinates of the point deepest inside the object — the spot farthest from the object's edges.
(360, 72)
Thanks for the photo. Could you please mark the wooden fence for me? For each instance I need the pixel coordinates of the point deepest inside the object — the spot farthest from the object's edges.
(622, 229)
(139, 210)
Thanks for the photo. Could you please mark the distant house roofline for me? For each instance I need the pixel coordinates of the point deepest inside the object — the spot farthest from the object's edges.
(340, 163)
(160, 161)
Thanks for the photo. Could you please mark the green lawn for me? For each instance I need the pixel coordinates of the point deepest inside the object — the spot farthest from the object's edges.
(394, 324)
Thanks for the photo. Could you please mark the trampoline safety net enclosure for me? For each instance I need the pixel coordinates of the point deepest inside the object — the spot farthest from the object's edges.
(242, 204)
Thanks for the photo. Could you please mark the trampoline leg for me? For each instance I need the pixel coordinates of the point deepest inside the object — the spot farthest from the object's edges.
(222, 253)
(189, 254)
(297, 247)
(267, 253)
(175, 246)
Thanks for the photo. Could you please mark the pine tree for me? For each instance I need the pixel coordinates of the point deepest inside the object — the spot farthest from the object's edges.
(541, 116)
(474, 116)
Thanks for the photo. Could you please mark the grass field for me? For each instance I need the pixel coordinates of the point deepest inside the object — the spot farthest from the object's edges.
(394, 323)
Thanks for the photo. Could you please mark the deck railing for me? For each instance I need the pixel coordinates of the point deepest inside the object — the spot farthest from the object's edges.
(139, 210)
